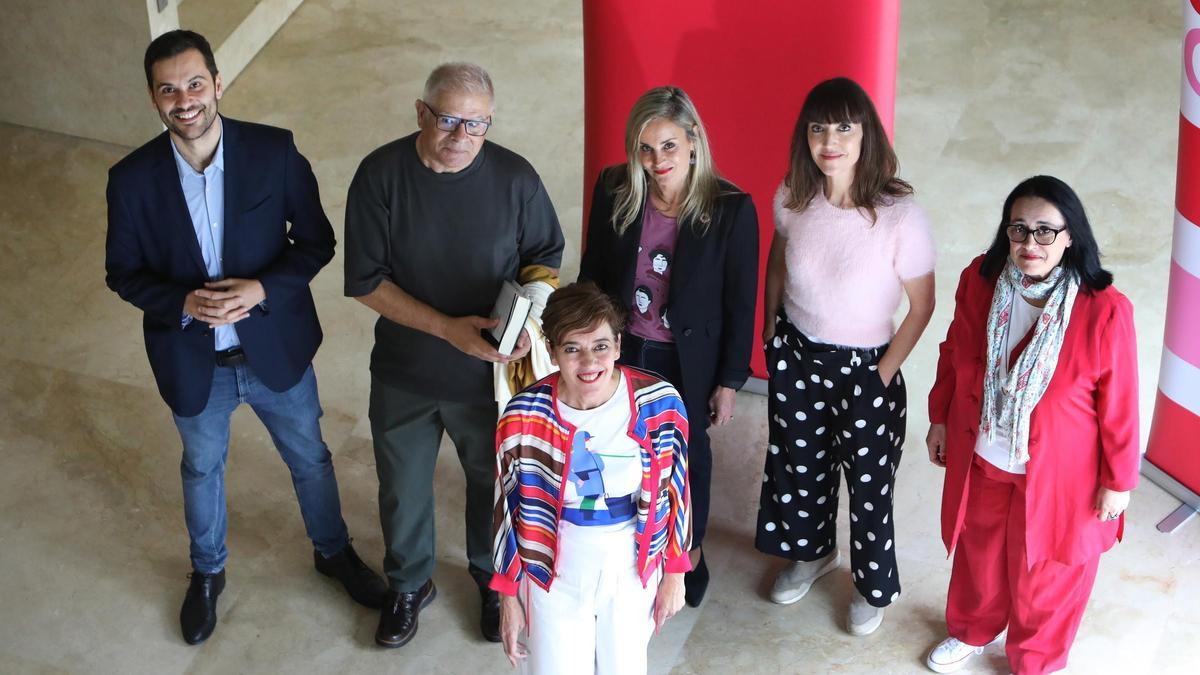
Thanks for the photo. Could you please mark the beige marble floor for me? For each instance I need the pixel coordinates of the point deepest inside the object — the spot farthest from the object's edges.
(92, 548)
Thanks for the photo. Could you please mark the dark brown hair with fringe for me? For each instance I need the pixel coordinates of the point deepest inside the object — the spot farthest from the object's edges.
(580, 306)
(831, 102)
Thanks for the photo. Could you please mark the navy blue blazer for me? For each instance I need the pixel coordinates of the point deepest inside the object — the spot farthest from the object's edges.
(153, 260)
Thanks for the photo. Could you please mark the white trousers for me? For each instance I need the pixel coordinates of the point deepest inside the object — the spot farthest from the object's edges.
(596, 618)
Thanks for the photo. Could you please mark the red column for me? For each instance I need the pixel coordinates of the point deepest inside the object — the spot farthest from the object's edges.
(747, 66)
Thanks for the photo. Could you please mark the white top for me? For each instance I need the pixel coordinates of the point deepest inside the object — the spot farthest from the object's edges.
(996, 452)
(602, 439)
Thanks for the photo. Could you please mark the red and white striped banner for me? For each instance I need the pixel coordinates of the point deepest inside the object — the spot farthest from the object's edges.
(1174, 445)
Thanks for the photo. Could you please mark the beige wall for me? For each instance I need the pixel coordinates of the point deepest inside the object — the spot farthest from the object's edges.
(237, 29)
(75, 67)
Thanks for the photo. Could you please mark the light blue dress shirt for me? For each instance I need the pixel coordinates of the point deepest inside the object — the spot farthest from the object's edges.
(205, 197)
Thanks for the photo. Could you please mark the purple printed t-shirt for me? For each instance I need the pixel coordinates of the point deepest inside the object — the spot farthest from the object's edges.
(652, 277)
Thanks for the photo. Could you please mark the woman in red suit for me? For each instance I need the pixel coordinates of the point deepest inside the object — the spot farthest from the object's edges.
(1034, 416)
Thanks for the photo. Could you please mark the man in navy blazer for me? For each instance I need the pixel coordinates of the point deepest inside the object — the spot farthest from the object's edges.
(199, 240)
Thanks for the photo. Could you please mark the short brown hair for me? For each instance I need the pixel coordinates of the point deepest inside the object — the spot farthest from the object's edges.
(580, 306)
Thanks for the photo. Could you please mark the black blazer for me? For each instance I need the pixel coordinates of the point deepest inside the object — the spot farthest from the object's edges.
(153, 259)
(714, 283)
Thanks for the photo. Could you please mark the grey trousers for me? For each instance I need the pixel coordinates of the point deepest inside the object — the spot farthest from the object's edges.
(406, 429)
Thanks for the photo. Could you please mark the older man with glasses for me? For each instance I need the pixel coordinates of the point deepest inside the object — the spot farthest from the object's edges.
(435, 222)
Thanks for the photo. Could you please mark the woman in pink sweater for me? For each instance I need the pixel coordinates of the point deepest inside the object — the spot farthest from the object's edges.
(849, 242)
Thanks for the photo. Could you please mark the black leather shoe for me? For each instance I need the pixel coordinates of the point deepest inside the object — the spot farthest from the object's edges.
(695, 584)
(366, 587)
(398, 618)
(489, 614)
(198, 617)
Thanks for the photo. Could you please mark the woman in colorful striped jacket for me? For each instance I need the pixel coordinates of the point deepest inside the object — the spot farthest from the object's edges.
(591, 521)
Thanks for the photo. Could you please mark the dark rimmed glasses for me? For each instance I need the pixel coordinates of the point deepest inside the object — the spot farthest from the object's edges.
(1042, 235)
(450, 122)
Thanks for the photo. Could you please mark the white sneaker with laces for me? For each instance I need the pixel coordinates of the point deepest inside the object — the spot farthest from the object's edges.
(794, 580)
(950, 655)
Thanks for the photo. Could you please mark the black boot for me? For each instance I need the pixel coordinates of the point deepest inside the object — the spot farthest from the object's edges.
(398, 618)
(489, 604)
(489, 614)
(366, 587)
(198, 616)
(695, 584)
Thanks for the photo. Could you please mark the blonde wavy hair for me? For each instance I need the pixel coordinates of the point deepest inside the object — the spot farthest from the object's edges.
(703, 182)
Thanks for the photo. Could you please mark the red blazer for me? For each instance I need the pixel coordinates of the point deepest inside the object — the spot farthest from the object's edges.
(1083, 434)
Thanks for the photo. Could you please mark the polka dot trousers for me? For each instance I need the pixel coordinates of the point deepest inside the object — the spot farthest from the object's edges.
(829, 410)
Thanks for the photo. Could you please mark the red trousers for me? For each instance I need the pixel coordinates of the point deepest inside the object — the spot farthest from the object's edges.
(992, 586)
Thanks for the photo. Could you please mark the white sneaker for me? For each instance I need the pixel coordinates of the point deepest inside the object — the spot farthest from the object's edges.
(794, 580)
(863, 617)
(950, 655)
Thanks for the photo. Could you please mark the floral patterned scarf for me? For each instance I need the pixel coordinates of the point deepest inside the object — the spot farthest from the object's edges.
(1008, 401)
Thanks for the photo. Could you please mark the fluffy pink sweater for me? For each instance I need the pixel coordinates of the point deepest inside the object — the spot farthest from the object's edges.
(844, 273)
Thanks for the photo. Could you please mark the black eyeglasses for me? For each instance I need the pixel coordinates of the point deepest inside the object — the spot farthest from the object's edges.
(450, 122)
(1042, 235)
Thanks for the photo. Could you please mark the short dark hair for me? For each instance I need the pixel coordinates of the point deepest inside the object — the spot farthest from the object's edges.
(1081, 257)
(580, 306)
(173, 43)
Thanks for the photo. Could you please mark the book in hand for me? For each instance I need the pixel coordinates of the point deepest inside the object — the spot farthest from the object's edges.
(512, 309)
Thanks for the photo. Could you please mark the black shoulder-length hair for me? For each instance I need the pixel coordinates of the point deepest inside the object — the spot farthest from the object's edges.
(1081, 257)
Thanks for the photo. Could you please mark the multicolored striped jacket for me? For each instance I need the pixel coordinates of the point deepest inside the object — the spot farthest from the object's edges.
(533, 453)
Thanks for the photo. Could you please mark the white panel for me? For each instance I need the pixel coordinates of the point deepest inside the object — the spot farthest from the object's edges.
(1179, 381)
(1185, 245)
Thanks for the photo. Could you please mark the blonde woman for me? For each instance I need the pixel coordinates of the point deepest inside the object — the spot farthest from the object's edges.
(678, 246)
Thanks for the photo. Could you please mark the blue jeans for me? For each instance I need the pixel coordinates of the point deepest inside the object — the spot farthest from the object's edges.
(292, 419)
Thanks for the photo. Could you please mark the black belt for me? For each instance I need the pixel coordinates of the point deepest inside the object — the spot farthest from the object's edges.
(231, 357)
(632, 340)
